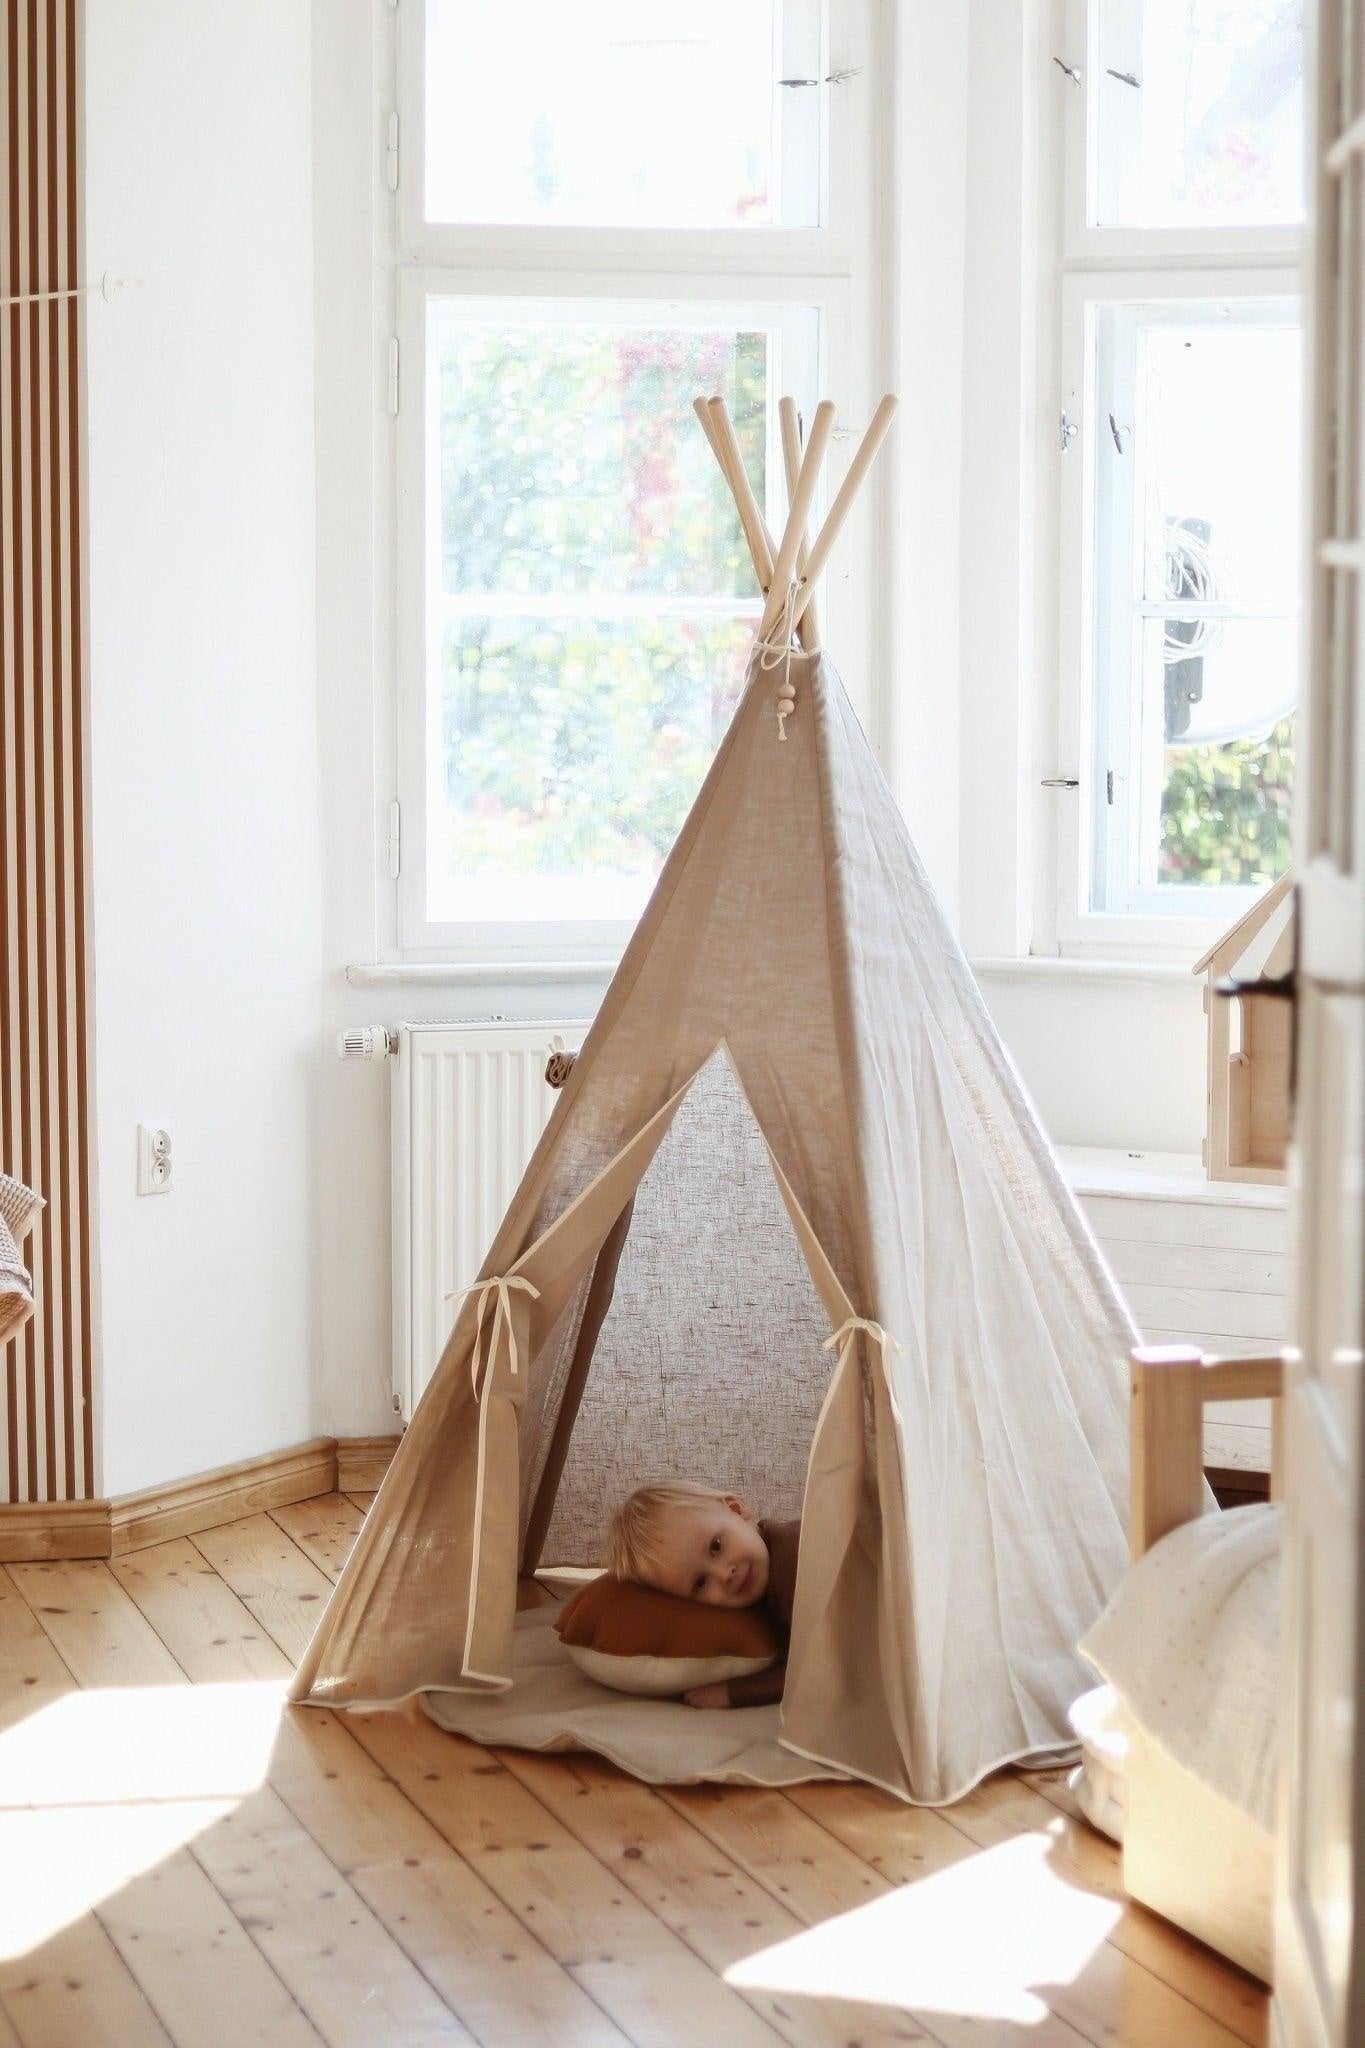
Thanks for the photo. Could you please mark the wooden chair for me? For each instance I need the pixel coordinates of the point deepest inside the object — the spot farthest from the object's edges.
(1171, 1385)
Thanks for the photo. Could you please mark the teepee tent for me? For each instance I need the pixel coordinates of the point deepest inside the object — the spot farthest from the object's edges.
(792, 1228)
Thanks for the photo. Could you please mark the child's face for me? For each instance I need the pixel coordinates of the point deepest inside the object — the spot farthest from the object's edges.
(711, 1552)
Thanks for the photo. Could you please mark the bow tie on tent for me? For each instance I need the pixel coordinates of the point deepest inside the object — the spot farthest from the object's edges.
(499, 1289)
(843, 1340)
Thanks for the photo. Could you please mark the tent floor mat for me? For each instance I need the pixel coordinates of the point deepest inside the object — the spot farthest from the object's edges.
(552, 1705)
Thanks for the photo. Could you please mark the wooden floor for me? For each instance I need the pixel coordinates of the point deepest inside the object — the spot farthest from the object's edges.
(184, 1860)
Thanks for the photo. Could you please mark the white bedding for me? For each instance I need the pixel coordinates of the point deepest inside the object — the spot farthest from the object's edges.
(1191, 1642)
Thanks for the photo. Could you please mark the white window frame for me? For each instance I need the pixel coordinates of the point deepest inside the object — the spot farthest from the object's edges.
(1088, 242)
(825, 269)
(1102, 266)
(577, 246)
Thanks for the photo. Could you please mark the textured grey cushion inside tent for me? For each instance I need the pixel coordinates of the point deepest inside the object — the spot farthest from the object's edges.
(553, 1706)
(709, 1364)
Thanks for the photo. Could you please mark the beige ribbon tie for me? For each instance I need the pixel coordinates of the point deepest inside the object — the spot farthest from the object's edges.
(844, 1339)
(500, 1286)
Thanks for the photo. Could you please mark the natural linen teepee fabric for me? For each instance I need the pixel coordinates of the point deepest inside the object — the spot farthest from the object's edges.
(792, 995)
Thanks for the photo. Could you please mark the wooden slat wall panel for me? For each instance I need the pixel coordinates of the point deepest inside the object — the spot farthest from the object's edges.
(45, 1374)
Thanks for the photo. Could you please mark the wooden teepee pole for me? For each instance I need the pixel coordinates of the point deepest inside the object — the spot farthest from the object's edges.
(789, 421)
(600, 1290)
(720, 433)
(784, 568)
(863, 458)
(750, 518)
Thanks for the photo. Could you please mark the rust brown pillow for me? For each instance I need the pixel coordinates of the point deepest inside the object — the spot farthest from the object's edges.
(635, 1639)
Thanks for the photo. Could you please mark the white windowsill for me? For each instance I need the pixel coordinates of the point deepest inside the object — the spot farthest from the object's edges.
(1039, 967)
(476, 973)
(521, 973)
(1161, 1177)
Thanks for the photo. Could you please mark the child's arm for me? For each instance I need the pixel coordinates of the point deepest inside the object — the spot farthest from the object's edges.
(755, 1689)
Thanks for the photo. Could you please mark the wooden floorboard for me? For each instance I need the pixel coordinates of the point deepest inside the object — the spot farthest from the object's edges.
(651, 1985)
(76, 1987)
(225, 1869)
(1013, 1802)
(499, 1979)
(271, 1917)
(1168, 1985)
(1111, 1980)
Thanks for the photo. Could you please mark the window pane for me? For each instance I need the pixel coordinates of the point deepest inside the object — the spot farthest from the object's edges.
(565, 756)
(1217, 447)
(570, 459)
(1225, 811)
(1199, 112)
(588, 595)
(1197, 567)
(610, 113)
(1215, 790)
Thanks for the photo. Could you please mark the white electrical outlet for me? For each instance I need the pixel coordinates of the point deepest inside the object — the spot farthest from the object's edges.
(153, 1160)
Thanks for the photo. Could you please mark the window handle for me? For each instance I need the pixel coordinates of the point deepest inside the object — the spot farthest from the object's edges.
(1060, 782)
(1124, 77)
(1070, 69)
(840, 77)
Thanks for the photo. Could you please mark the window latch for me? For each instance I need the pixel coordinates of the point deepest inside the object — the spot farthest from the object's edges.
(1122, 435)
(1067, 430)
(1061, 782)
(1124, 77)
(840, 77)
(1069, 69)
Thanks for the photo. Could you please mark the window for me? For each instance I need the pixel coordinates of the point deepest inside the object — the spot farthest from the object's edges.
(605, 113)
(1198, 113)
(1181, 430)
(610, 211)
(589, 597)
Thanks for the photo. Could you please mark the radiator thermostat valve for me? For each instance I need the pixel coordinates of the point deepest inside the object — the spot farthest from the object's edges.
(367, 1042)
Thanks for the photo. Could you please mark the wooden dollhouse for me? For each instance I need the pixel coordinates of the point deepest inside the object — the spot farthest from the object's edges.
(1249, 1041)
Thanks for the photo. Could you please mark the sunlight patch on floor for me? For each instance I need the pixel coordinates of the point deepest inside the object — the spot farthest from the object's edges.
(982, 1939)
(100, 1785)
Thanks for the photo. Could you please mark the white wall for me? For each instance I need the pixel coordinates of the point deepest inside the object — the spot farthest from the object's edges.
(1108, 1059)
(202, 681)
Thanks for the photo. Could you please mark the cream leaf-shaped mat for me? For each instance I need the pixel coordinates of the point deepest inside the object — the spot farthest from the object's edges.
(552, 1705)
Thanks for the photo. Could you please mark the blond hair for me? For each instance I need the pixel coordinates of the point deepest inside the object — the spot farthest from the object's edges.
(633, 1539)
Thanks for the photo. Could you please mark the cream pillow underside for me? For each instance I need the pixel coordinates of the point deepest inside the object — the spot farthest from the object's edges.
(660, 1678)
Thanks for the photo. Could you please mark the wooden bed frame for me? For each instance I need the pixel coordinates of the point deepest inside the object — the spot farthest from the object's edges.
(1172, 1384)
(1187, 1853)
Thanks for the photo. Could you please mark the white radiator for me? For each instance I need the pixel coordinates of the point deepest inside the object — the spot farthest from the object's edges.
(469, 1103)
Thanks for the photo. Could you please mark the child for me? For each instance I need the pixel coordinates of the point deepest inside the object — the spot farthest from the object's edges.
(705, 1545)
